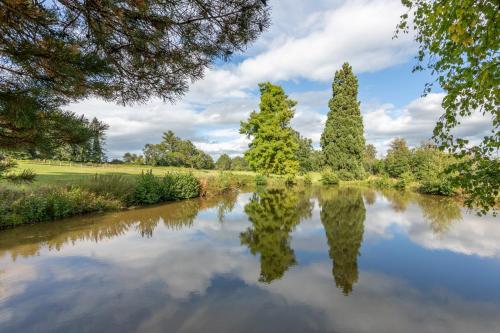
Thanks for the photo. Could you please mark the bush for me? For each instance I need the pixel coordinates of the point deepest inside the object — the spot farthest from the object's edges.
(437, 186)
(383, 182)
(307, 179)
(328, 177)
(26, 176)
(112, 186)
(149, 189)
(52, 204)
(223, 183)
(260, 180)
(404, 181)
(290, 180)
(179, 186)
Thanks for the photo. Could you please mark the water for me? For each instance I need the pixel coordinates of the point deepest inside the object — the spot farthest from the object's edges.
(314, 260)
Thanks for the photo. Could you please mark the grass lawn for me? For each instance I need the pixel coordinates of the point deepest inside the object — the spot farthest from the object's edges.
(61, 173)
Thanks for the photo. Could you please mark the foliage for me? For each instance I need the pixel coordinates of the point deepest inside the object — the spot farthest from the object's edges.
(173, 151)
(383, 182)
(224, 182)
(370, 159)
(304, 154)
(133, 158)
(151, 189)
(238, 163)
(89, 150)
(26, 176)
(329, 177)
(111, 186)
(273, 214)
(437, 185)
(274, 145)
(223, 162)
(260, 180)
(6, 164)
(342, 140)
(290, 180)
(458, 41)
(343, 216)
(52, 204)
(398, 158)
(307, 179)
(404, 181)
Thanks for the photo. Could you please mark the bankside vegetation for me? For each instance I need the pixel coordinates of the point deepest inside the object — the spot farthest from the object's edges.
(107, 192)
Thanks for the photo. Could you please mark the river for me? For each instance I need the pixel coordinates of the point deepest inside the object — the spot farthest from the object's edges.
(273, 260)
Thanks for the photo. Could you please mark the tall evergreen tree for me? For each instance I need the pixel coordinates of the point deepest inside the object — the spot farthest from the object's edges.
(343, 215)
(274, 146)
(342, 141)
(97, 150)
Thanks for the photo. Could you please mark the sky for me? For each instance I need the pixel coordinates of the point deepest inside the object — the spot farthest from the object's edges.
(306, 43)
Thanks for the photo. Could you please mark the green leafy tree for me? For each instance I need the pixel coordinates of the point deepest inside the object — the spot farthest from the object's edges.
(458, 41)
(223, 163)
(370, 159)
(54, 52)
(238, 163)
(274, 214)
(133, 158)
(343, 141)
(398, 159)
(304, 153)
(342, 215)
(173, 151)
(274, 145)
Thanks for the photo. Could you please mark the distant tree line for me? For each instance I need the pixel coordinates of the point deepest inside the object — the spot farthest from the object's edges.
(174, 151)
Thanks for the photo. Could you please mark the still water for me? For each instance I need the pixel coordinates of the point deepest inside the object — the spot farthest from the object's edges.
(310, 260)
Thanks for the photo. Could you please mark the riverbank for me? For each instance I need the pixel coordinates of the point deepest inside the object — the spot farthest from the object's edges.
(59, 193)
(63, 189)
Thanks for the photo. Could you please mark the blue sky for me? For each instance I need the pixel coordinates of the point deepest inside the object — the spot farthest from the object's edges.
(306, 43)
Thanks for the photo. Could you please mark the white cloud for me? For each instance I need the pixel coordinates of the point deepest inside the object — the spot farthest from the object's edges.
(358, 31)
(307, 40)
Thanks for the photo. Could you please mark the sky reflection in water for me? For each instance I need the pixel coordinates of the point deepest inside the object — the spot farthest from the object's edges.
(317, 259)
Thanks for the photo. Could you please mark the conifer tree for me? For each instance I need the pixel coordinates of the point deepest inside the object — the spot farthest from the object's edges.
(274, 145)
(342, 141)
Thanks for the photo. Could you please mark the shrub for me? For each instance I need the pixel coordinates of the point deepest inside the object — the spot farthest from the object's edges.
(179, 186)
(328, 177)
(260, 180)
(26, 176)
(383, 182)
(53, 203)
(307, 179)
(438, 186)
(404, 181)
(290, 180)
(216, 185)
(149, 189)
(112, 186)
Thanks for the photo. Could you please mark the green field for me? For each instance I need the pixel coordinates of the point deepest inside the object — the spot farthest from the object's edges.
(62, 173)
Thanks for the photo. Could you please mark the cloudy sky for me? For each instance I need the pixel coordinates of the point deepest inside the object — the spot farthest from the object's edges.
(307, 42)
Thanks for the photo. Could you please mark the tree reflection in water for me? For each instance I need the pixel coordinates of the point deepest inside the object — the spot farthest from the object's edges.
(274, 213)
(343, 215)
(175, 215)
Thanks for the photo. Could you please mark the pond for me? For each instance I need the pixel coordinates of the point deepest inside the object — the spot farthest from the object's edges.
(275, 260)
